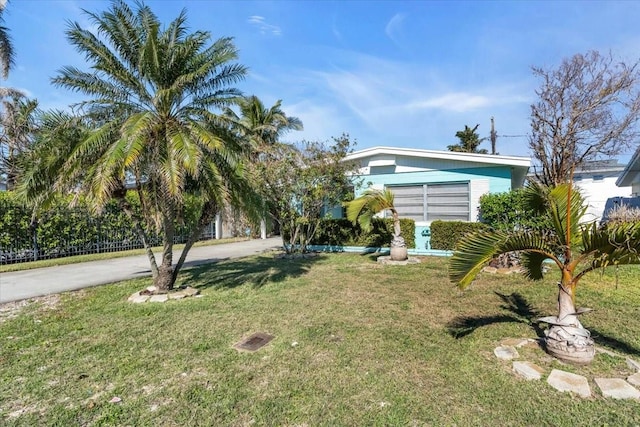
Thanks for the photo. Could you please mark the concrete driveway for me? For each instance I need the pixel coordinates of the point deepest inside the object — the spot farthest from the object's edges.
(52, 280)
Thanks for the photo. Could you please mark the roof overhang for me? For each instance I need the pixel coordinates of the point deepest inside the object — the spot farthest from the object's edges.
(630, 173)
(388, 153)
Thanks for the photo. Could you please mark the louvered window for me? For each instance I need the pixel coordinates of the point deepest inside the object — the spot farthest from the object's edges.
(430, 202)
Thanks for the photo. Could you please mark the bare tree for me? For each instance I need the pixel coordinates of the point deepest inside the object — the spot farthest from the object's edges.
(588, 109)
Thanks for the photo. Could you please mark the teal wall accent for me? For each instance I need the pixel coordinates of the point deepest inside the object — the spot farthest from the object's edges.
(499, 177)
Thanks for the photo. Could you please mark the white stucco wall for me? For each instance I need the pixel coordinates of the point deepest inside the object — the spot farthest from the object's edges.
(597, 192)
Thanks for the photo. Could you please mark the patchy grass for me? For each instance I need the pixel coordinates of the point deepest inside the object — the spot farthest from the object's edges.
(356, 343)
(21, 266)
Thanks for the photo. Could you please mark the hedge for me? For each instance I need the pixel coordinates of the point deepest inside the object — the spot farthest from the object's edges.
(64, 231)
(445, 234)
(341, 232)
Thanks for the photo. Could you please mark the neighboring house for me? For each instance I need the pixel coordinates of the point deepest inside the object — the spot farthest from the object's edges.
(598, 182)
(437, 185)
(630, 176)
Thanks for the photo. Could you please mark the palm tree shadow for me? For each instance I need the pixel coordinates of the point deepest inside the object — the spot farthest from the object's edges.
(613, 343)
(254, 271)
(520, 312)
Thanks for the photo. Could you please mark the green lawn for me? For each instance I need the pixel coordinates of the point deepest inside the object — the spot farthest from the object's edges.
(376, 345)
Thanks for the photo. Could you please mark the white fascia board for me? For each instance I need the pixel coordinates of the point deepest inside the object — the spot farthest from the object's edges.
(630, 172)
(490, 159)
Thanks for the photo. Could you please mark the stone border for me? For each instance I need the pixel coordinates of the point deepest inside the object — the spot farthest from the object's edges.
(149, 295)
(616, 388)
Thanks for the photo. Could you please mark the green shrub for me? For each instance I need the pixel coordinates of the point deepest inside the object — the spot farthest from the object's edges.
(341, 232)
(445, 234)
(507, 211)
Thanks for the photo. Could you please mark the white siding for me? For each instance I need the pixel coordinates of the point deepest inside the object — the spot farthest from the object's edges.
(478, 188)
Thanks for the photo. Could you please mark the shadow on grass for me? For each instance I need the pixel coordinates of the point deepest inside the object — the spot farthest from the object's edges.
(613, 343)
(520, 312)
(255, 271)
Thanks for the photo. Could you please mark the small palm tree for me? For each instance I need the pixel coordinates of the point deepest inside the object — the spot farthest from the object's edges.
(6, 46)
(574, 248)
(372, 202)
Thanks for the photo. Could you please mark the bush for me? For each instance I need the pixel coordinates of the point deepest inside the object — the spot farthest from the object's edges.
(507, 211)
(445, 234)
(341, 232)
(62, 230)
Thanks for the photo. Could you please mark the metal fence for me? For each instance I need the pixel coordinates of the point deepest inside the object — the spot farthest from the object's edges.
(76, 234)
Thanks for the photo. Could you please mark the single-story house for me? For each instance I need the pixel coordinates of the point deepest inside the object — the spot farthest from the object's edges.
(437, 185)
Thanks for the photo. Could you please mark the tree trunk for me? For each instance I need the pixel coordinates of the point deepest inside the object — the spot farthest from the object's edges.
(137, 226)
(566, 338)
(207, 215)
(165, 280)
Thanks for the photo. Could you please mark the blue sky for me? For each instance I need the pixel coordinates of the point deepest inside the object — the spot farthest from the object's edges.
(398, 73)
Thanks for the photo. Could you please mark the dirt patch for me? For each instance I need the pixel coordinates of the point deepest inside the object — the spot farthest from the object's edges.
(9, 310)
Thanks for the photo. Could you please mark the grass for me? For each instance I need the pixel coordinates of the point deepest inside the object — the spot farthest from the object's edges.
(21, 266)
(356, 344)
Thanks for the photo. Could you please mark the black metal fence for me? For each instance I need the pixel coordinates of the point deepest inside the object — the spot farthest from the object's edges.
(72, 232)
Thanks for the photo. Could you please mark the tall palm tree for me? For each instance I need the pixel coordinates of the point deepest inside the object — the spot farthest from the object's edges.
(576, 249)
(151, 93)
(264, 126)
(370, 203)
(6, 46)
(18, 125)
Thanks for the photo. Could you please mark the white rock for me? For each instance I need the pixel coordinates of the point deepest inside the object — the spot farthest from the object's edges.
(566, 381)
(634, 379)
(506, 352)
(159, 298)
(528, 370)
(617, 388)
(139, 299)
(633, 364)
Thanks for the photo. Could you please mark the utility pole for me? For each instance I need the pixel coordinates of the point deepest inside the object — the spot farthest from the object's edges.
(493, 136)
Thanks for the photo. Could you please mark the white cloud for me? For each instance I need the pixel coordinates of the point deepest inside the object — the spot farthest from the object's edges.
(264, 27)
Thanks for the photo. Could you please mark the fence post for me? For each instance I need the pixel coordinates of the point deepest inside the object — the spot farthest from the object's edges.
(33, 225)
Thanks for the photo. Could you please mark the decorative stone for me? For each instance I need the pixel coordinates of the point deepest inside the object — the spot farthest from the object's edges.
(159, 298)
(617, 388)
(177, 295)
(506, 352)
(189, 291)
(633, 364)
(490, 270)
(137, 298)
(528, 370)
(634, 379)
(387, 260)
(566, 381)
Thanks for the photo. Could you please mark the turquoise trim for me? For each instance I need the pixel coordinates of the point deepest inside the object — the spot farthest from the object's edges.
(369, 250)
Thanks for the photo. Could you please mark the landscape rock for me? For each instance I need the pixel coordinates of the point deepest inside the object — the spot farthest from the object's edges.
(566, 381)
(159, 298)
(633, 364)
(506, 352)
(190, 292)
(177, 295)
(617, 388)
(136, 298)
(490, 270)
(634, 379)
(528, 370)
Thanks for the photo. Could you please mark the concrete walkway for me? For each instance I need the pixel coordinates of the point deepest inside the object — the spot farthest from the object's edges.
(52, 280)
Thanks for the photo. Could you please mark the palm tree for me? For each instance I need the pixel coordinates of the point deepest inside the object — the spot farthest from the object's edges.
(370, 203)
(150, 94)
(574, 248)
(6, 46)
(18, 125)
(263, 125)
(262, 128)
